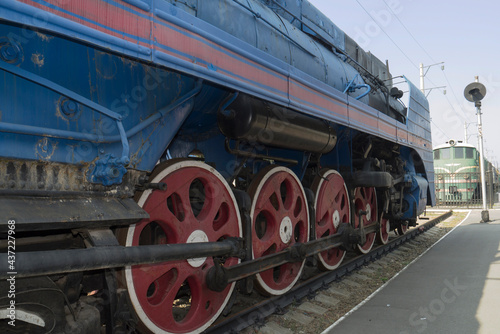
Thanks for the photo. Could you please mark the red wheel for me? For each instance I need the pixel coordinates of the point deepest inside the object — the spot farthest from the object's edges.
(198, 206)
(332, 208)
(365, 199)
(385, 228)
(280, 218)
(402, 228)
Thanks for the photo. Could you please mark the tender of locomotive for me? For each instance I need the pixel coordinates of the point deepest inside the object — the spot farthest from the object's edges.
(154, 153)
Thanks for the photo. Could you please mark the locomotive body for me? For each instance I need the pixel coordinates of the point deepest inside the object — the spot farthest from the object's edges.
(144, 123)
(458, 176)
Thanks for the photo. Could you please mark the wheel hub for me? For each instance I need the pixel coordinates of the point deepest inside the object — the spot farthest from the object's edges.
(286, 230)
(197, 236)
(336, 219)
(368, 212)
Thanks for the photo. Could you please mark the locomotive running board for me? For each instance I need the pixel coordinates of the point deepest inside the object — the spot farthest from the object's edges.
(49, 213)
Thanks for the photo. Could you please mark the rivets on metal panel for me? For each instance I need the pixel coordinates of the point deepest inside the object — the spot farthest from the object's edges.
(10, 51)
(70, 108)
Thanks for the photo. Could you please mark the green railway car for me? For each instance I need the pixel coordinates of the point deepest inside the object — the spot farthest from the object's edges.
(457, 173)
(458, 176)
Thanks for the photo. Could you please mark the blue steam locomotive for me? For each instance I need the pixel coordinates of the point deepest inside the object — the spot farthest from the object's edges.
(156, 152)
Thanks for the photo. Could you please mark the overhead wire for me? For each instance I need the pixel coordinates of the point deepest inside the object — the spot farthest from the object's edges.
(382, 29)
(465, 114)
(456, 98)
(404, 26)
(408, 31)
(442, 131)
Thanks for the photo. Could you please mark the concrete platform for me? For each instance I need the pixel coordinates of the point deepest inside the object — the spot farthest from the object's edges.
(453, 288)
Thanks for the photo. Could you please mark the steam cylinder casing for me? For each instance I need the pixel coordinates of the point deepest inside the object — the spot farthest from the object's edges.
(255, 120)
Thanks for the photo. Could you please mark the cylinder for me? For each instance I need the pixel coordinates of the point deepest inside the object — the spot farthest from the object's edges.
(257, 121)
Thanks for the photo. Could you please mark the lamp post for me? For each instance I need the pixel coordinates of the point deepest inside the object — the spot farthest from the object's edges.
(475, 92)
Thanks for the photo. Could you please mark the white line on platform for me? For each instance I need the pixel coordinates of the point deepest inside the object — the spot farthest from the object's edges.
(326, 331)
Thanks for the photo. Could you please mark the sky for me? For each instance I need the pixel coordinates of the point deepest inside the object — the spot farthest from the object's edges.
(465, 35)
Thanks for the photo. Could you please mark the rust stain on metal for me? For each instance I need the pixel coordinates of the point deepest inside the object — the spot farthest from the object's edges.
(45, 149)
(59, 113)
(44, 37)
(52, 176)
(38, 59)
(106, 66)
(130, 63)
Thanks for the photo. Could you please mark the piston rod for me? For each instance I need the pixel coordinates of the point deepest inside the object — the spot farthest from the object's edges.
(219, 276)
(72, 260)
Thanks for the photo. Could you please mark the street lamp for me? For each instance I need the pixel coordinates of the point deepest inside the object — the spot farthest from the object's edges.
(475, 92)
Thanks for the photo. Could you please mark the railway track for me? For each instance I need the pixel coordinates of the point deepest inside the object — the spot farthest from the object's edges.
(260, 309)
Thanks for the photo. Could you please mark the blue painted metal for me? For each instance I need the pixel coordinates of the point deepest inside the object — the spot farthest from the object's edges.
(416, 198)
(10, 51)
(108, 170)
(120, 97)
(71, 109)
(56, 133)
(75, 97)
(83, 132)
(418, 122)
(59, 89)
(416, 193)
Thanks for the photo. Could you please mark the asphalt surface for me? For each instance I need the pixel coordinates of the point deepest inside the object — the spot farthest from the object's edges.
(453, 288)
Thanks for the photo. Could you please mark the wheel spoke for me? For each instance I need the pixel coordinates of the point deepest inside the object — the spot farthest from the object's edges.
(163, 289)
(148, 274)
(213, 200)
(266, 247)
(274, 205)
(269, 247)
(178, 190)
(325, 224)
